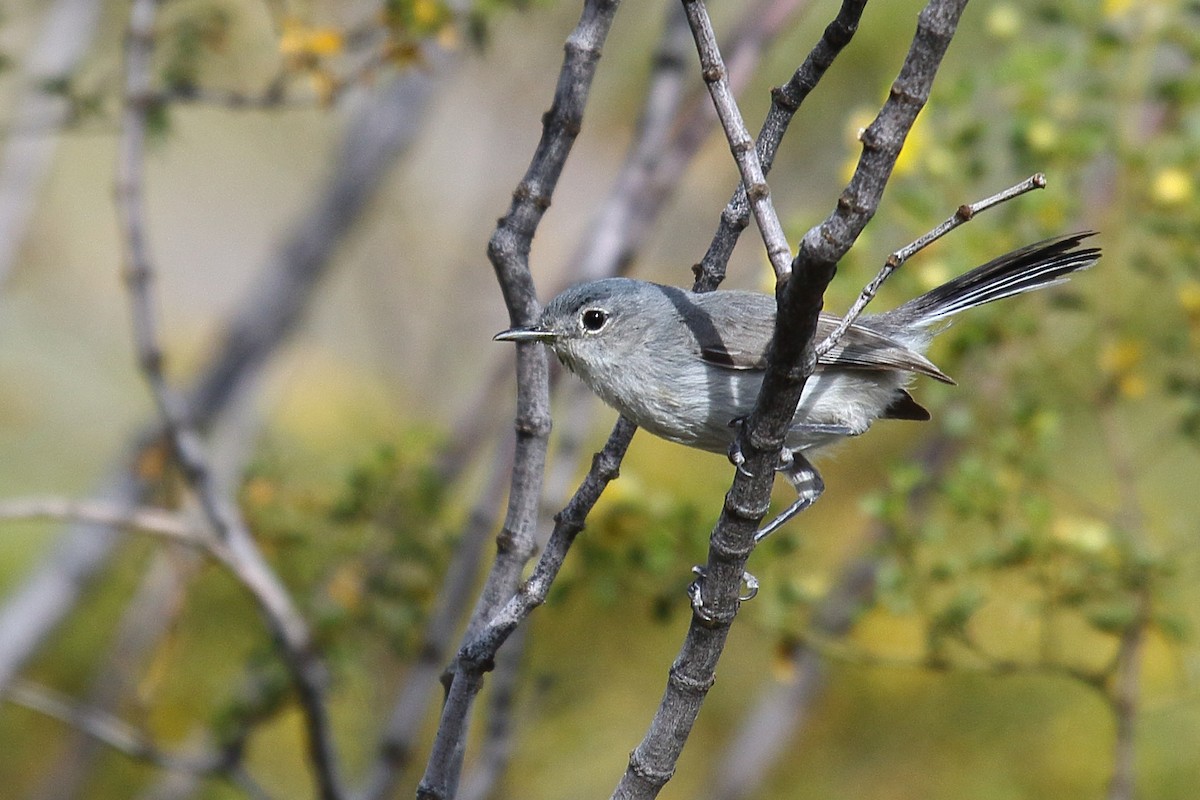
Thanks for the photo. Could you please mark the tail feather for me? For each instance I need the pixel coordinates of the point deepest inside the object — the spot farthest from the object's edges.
(1033, 267)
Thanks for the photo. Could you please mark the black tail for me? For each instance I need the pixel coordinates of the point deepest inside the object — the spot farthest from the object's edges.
(1032, 267)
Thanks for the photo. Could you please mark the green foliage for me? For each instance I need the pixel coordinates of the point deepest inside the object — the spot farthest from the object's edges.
(185, 43)
(637, 548)
(371, 553)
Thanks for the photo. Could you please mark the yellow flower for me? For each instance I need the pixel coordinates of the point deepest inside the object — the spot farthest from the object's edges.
(1132, 386)
(1004, 21)
(1116, 8)
(298, 39)
(1189, 298)
(1171, 187)
(1119, 358)
(426, 13)
(1082, 534)
(1042, 136)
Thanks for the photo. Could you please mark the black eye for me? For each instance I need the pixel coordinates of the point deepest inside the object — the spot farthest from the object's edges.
(594, 319)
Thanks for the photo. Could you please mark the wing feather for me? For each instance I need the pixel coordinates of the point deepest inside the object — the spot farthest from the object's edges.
(735, 328)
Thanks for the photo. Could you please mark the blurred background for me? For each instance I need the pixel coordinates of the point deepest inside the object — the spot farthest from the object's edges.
(1000, 603)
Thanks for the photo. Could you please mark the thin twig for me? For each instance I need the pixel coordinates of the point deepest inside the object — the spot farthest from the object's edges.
(39, 116)
(240, 553)
(962, 215)
(785, 102)
(147, 520)
(113, 732)
(478, 654)
(791, 359)
(712, 67)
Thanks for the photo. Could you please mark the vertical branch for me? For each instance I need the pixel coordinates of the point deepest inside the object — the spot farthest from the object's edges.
(1124, 691)
(236, 549)
(508, 251)
(790, 361)
(40, 115)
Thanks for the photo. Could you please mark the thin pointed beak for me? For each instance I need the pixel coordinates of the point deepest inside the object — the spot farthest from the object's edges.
(531, 334)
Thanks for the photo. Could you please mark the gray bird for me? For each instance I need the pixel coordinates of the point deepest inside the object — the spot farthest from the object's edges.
(688, 367)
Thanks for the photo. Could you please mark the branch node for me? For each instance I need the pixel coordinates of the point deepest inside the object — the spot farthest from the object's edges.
(687, 684)
(654, 777)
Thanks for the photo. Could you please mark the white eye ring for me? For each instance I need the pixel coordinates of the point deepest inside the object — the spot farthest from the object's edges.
(593, 319)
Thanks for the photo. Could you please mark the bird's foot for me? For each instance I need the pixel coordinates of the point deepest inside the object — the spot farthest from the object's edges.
(696, 593)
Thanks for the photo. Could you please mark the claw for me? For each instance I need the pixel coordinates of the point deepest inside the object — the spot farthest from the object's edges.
(695, 592)
(738, 460)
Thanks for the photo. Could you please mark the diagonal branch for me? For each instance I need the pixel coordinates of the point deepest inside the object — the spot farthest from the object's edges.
(265, 318)
(754, 180)
(785, 102)
(964, 214)
(155, 521)
(115, 733)
(791, 359)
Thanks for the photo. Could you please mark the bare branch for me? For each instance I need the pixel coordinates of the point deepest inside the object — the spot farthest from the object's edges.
(508, 251)
(962, 215)
(112, 731)
(483, 781)
(791, 359)
(95, 512)
(712, 67)
(268, 314)
(68, 28)
(768, 732)
(408, 712)
(785, 102)
(478, 654)
(240, 553)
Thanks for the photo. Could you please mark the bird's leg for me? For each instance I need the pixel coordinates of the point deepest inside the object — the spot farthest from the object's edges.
(805, 479)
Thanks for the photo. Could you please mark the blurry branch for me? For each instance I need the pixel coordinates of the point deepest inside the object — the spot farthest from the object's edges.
(117, 734)
(785, 102)
(754, 180)
(268, 314)
(1125, 689)
(478, 654)
(166, 524)
(240, 553)
(791, 360)
(495, 750)
(508, 251)
(407, 717)
(964, 214)
(150, 617)
(768, 731)
(650, 178)
(68, 28)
